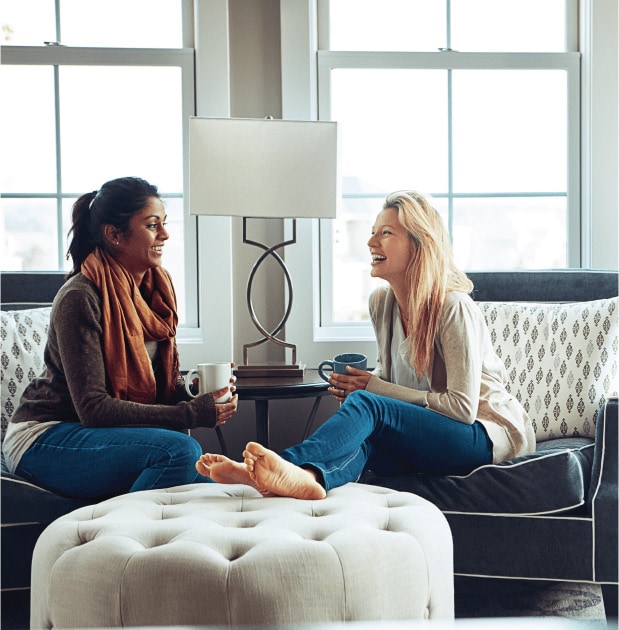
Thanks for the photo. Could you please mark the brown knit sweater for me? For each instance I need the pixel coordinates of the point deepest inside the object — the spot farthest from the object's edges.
(74, 387)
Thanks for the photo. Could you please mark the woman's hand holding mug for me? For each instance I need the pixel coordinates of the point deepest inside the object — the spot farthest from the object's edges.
(218, 380)
(348, 373)
(210, 378)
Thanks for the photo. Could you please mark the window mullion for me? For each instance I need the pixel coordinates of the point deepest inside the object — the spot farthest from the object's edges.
(59, 227)
(448, 23)
(450, 173)
(58, 27)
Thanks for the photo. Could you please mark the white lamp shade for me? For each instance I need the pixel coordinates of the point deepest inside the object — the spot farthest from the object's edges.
(263, 168)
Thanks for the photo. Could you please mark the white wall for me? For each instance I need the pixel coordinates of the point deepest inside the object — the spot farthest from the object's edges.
(600, 22)
(255, 92)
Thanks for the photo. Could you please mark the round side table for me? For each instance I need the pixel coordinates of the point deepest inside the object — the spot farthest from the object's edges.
(264, 389)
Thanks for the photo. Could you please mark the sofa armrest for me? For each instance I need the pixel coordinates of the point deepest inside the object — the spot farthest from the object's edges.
(603, 497)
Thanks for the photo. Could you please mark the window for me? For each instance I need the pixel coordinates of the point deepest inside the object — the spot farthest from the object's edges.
(87, 97)
(456, 100)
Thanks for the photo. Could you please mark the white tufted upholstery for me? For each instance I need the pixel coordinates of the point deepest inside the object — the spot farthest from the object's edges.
(223, 555)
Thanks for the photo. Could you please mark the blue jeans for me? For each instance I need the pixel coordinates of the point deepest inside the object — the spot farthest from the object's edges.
(390, 437)
(77, 461)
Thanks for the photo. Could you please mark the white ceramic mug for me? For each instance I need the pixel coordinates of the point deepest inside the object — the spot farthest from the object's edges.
(211, 376)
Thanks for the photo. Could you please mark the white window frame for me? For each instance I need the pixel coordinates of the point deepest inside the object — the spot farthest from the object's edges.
(300, 49)
(60, 56)
(331, 60)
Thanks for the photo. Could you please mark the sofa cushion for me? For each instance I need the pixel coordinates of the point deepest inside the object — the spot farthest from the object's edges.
(24, 502)
(561, 360)
(26, 511)
(23, 334)
(554, 479)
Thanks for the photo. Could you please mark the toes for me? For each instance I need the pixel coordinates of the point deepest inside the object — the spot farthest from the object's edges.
(256, 450)
(202, 468)
(250, 464)
(210, 458)
(252, 473)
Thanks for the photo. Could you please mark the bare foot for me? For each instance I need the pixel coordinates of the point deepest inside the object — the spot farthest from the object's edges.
(223, 470)
(275, 475)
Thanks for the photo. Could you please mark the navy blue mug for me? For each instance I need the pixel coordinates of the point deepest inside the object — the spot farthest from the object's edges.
(338, 364)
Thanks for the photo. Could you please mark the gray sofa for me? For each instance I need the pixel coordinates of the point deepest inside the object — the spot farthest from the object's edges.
(26, 508)
(551, 515)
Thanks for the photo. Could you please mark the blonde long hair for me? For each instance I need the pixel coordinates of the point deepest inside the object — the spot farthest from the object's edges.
(431, 273)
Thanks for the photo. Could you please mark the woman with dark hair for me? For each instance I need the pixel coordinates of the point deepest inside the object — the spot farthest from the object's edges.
(110, 412)
(435, 403)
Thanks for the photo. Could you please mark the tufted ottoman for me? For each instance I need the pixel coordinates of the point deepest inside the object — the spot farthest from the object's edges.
(209, 554)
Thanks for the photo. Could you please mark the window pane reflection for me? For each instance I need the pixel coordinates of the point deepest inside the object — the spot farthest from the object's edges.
(101, 23)
(132, 125)
(508, 25)
(390, 25)
(20, 29)
(28, 234)
(121, 23)
(391, 138)
(27, 129)
(509, 130)
(511, 233)
(422, 25)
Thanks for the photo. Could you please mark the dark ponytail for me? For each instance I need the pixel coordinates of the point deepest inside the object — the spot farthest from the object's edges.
(82, 242)
(114, 204)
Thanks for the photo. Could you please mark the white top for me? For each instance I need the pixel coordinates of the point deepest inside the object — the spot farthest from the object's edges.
(401, 371)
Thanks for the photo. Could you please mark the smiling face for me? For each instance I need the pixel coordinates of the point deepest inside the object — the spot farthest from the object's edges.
(390, 247)
(141, 247)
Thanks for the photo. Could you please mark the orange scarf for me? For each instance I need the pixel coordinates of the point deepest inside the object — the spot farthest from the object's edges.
(131, 316)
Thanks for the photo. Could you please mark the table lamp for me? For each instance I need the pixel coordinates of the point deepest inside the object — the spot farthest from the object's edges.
(264, 168)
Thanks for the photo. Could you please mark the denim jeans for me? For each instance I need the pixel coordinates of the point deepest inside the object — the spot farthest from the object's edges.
(390, 437)
(77, 461)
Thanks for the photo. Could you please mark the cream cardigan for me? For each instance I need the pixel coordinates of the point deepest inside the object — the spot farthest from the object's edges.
(467, 380)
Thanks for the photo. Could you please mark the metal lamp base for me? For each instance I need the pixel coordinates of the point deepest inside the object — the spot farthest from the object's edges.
(269, 369)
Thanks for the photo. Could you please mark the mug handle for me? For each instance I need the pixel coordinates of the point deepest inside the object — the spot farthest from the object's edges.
(188, 381)
(321, 372)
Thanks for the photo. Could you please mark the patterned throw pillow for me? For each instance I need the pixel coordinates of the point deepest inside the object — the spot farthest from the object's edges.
(23, 335)
(561, 360)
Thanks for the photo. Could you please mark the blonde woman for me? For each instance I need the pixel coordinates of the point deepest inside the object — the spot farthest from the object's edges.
(435, 403)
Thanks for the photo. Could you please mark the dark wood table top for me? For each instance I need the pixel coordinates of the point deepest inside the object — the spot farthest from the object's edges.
(310, 384)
